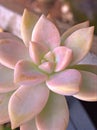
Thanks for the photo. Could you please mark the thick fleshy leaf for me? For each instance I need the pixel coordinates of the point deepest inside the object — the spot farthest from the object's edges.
(63, 57)
(66, 82)
(73, 29)
(27, 73)
(86, 67)
(80, 42)
(11, 51)
(37, 52)
(6, 80)
(46, 33)
(26, 103)
(30, 125)
(4, 99)
(29, 19)
(88, 89)
(55, 115)
(47, 67)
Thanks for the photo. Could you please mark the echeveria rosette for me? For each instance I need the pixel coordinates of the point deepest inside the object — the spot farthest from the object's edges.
(51, 73)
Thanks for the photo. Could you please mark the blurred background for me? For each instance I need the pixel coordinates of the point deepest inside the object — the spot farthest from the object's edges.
(66, 13)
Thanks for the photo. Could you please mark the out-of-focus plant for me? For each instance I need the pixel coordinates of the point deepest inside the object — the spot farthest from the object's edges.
(34, 99)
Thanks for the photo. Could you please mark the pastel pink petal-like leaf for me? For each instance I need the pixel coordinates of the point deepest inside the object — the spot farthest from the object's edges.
(47, 67)
(6, 80)
(4, 99)
(29, 19)
(37, 52)
(27, 73)
(46, 33)
(26, 103)
(55, 115)
(30, 125)
(66, 82)
(80, 42)
(73, 29)
(63, 57)
(11, 51)
(88, 89)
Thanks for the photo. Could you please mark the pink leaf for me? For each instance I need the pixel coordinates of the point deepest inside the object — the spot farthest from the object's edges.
(88, 89)
(11, 51)
(29, 19)
(73, 29)
(66, 82)
(26, 103)
(80, 43)
(55, 115)
(37, 52)
(6, 80)
(63, 57)
(46, 33)
(28, 74)
(47, 67)
(30, 125)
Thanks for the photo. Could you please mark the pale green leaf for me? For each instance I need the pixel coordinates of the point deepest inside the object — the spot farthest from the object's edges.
(29, 19)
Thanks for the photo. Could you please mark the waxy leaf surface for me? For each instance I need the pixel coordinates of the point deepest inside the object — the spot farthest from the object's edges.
(26, 103)
(55, 115)
(66, 82)
(88, 88)
(46, 33)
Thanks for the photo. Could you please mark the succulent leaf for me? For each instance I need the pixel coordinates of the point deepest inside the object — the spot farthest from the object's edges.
(88, 88)
(46, 33)
(26, 73)
(30, 125)
(73, 29)
(29, 19)
(37, 51)
(80, 43)
(26, 103)
(6, 80)
(55, 115)
(66, 82)
(63, 57)
(11, 51)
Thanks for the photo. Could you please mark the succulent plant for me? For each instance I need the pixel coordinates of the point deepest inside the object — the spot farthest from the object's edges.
(37, 72)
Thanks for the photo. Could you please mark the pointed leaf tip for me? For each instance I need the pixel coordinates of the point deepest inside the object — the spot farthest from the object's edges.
(63, 57)
(29, 19)
(80, 42)
(73, 29)
(46, 33)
